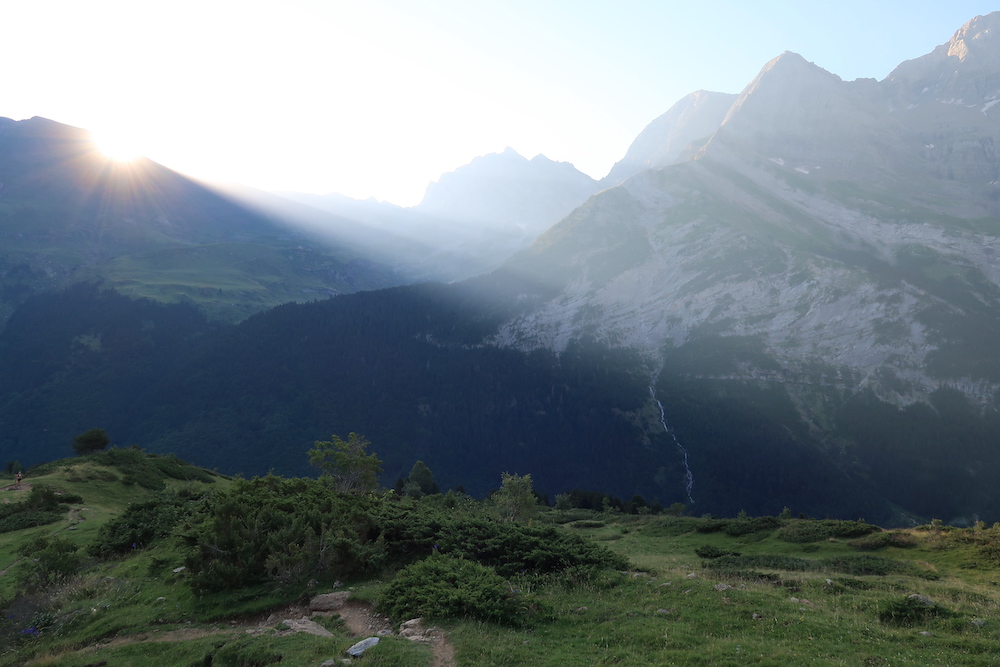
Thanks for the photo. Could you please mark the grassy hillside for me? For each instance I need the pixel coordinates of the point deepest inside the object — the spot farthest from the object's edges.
(695, 591)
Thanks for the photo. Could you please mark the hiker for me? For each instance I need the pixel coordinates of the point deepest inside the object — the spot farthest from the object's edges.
(17, 480)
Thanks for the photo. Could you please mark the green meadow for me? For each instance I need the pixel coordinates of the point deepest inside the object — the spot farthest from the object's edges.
(552, 589)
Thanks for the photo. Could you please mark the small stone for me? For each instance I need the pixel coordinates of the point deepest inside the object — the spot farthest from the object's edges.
(722, 587)
(756, 616)
(978, 622)
(160, 599)
(692, 576)
(664, 611)
(580, 610)
(178, 570)
(926, 634)
(922, 600)
(362, 646)
(793, 599)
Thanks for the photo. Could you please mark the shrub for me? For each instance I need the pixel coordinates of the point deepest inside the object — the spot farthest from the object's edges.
(877, 541)
(244, 652)
(809, 530)
(865, 565)
(48, 561)
(27, 519)
(288, 531)
(280, 530)
(44, 505)
(911, 610)
(445, 587)
(709, 551)
(140, 524)
(769, 561)
(748, 525)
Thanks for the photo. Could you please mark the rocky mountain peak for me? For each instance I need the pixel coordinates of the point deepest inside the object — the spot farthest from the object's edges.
(509, 191)
(977, 39)
(963, 71)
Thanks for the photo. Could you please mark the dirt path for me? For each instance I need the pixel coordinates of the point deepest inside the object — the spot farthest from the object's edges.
(360, 619)
(24, 488)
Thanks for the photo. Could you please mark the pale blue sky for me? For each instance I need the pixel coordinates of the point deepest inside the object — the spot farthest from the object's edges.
(379, 97)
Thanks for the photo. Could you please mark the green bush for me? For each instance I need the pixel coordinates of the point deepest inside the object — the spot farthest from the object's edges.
(279, 530)
(245, 652)
(47, 561)
(27, 519)
(865, 565)
(749, 525)
(877, 541)
(911, 610)
(769, 561)
(444, 587)
(44, 505)
(811, 530)
(710, 551)
(288, 531)
(141, 524)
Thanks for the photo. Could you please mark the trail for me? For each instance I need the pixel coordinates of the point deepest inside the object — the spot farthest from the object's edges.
(688, 475)
(359, 617)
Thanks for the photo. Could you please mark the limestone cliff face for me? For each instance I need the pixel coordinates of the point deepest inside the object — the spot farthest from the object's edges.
(822, 218)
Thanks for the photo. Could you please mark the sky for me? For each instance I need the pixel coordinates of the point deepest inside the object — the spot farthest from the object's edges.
(377, 98)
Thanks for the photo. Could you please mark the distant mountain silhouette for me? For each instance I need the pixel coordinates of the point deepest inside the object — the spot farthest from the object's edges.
(69, 213)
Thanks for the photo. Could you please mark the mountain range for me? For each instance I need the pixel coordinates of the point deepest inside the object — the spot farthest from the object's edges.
(786, 297)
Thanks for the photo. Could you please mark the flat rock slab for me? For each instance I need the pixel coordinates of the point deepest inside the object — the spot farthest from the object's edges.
(307, 626)
(362, 646)
(329, 601)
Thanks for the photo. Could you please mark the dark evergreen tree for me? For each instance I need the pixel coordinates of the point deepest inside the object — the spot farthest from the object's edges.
(90, 441)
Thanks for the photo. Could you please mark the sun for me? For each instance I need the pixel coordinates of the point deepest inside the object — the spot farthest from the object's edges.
(119, 147)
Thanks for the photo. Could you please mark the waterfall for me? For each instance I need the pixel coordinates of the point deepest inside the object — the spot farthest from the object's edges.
(688, 475)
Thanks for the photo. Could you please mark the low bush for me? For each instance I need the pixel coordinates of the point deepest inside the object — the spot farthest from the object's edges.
(877, 541)
(808, 530)
(288, 531)
(742, 525)
(141, 524)
(43, 505)
(27, 519)
(749, 525)
(244, 652)
(865, 565)
(911, 610)
(770, 561)
(444, 587)
(47, 561)
(710, 551)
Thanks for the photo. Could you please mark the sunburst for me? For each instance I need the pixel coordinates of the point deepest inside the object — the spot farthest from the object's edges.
(118, 146)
